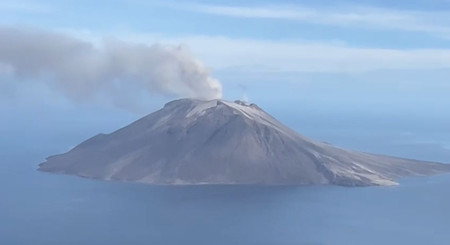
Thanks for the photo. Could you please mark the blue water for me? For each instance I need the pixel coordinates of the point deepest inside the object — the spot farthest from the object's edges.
(45, 209)
(39, 208)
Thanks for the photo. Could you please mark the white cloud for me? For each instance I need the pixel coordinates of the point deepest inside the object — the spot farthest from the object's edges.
(436, 22)
(222, 53)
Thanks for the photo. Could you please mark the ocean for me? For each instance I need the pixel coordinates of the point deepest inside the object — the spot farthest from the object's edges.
(39, 208)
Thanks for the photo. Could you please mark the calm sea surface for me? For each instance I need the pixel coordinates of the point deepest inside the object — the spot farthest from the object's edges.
(45, 209)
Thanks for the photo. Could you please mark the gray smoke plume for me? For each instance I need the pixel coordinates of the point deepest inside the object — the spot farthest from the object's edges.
(111, 68)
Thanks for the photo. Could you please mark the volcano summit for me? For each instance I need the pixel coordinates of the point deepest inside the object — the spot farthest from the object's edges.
(191, 142)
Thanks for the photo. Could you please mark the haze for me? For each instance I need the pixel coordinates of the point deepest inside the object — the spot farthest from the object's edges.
(370, 76)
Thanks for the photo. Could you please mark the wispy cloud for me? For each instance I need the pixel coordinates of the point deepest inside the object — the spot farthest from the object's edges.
(437, 22)
(28, 7)
(223, 53)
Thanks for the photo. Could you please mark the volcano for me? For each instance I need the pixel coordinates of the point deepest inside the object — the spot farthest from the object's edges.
(193, 142)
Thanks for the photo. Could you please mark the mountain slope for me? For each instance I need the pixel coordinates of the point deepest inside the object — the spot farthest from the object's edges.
(220, 142)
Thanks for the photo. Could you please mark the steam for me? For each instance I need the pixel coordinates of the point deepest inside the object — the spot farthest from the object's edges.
(112, 68)
(244, 96)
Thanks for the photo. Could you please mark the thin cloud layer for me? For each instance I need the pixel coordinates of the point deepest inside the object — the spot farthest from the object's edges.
(435, 22)
(111, 68)
(300, 56)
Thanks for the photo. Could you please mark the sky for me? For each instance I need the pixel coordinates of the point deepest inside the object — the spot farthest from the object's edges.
(366, 75)
(387, 59)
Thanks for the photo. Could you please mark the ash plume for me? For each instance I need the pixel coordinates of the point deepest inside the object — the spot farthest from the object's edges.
(111, 69)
